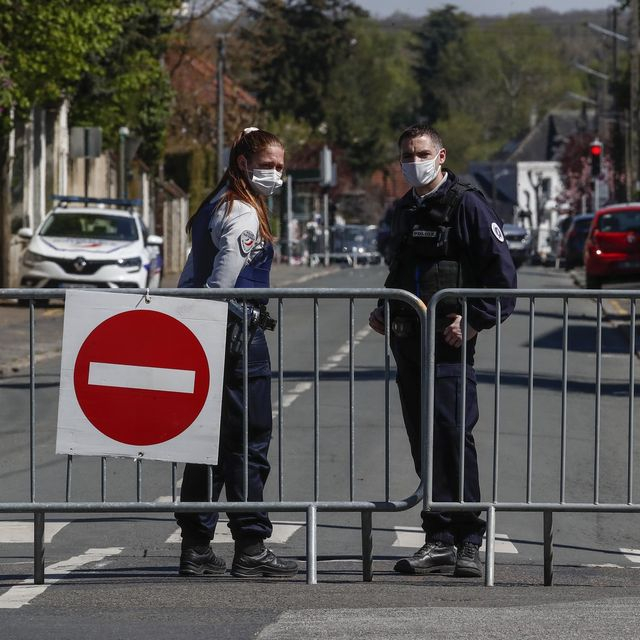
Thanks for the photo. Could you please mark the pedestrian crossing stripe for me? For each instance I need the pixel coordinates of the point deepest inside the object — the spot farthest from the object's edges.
(21, 531)
(631, 554)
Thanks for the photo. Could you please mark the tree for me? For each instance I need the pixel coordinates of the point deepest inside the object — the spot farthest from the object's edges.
(440, 29)
(45, 47)
(495, 79)
(127, 84)
(292, 48)
(326, 64)
(371, 94)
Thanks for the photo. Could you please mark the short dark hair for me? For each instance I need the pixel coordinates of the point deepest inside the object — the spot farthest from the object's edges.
(418, 130)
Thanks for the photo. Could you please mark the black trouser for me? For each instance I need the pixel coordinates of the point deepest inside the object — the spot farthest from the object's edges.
(198, 528)
(456, 526)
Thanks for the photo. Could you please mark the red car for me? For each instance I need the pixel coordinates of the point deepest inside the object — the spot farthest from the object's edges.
(612, 249)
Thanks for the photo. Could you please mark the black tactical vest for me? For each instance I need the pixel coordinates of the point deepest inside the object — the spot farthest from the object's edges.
(426, 255)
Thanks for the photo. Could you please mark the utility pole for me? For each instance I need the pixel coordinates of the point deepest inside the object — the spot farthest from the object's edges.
(123, 132)
(220, 79)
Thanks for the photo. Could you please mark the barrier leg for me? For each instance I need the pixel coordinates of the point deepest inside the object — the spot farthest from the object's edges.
(38, 547)
(367, 546)
(548, 547)
(312, 550)
(490, 555)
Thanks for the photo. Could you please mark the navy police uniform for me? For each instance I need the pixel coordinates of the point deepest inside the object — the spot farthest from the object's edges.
(246, 528)
(449, 238)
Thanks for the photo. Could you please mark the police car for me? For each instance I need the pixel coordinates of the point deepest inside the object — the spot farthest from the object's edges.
(91, 242)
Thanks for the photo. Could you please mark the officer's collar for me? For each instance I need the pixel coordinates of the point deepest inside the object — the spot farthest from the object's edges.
(433, 192)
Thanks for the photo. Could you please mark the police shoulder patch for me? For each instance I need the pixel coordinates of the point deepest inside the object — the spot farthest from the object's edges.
(247, 241)
(497, 231)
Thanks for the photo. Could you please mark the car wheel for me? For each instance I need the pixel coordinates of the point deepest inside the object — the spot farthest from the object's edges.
(593, 282)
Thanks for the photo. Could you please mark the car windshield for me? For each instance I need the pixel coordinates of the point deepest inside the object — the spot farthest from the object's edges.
(90, 225)
(620, 221)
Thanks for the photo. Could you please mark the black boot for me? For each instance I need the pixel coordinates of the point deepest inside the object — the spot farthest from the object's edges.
(261, 562)
(432, 557)
(200, 561)
(468, 563)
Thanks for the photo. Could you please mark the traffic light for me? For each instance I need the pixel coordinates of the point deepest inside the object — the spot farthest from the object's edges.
(595, 150)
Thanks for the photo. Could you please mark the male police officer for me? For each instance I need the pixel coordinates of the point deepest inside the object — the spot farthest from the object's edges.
(444, 234)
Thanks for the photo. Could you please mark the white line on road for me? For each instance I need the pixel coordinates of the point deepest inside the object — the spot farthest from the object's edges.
(631, 554)
(21, 531)
(26, 591)
(133, 377)
(332, 362)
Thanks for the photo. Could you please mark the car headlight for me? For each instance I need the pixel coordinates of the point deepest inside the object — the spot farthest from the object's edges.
(130, 263)
(30, 258)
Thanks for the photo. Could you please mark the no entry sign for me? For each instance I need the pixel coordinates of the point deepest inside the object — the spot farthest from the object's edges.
(141, 380)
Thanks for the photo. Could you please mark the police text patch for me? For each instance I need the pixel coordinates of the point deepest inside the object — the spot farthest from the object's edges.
(424, 233)
(247, 241)
(497, 231)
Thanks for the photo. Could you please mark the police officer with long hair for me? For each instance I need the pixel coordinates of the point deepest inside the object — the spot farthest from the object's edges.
(232, 247)
(443, 235)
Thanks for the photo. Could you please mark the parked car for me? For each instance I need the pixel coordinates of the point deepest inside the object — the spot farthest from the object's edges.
(518, 240)
(355, 242)
(574, 239)
(612, 249)
(102, 245)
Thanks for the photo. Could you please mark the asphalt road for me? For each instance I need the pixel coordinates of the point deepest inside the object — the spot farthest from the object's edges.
(115, 576)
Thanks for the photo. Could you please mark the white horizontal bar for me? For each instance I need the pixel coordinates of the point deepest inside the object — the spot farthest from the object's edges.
(133, 377)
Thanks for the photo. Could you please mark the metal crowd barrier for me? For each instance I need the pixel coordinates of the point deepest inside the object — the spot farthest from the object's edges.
(310, 507)
(534, 468)
(495, 503)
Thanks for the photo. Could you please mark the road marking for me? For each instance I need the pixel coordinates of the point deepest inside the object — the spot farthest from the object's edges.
(300, 388)
(24, 592)
(620, 310)
(631, 554)
(310, 276)
(282, 531)
(21, 531)
(332, 362)
(134, 377)
(413, 538)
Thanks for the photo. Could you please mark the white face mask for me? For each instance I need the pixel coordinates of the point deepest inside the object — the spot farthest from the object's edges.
(266, 181)
(417, 174)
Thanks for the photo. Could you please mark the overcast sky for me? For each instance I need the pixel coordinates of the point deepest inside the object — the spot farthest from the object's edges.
(383, 8)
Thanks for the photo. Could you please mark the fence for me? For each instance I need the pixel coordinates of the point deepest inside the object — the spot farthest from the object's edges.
(534, 469)
(569, 466)
(310, 506)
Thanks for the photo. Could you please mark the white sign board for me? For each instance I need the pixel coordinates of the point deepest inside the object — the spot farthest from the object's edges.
(141, 379)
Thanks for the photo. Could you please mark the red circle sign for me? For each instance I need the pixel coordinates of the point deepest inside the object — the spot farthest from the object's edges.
(141, 377)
